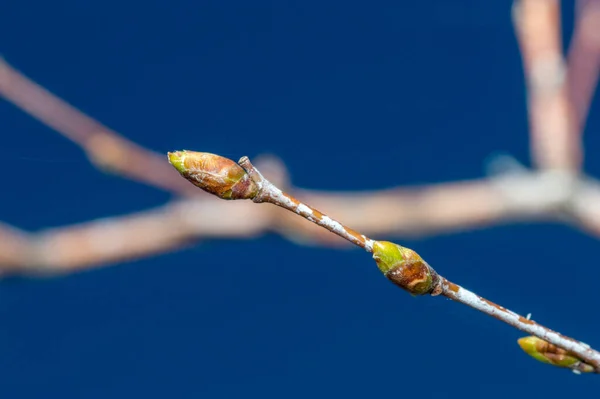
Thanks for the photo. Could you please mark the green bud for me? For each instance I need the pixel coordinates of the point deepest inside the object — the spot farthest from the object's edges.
(547, 353)
(214, 174)
(405, 268)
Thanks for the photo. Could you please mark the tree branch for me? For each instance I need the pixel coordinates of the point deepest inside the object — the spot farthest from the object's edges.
(558, 101)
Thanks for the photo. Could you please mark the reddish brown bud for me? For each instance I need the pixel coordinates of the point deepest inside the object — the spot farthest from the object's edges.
(405, 268)
(214, 174)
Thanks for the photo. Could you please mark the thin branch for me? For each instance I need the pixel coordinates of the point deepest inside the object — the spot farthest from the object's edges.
(555, 140)
(558, 108)
(582, 351)
(270, 193)
(402, 266)
(267, 192)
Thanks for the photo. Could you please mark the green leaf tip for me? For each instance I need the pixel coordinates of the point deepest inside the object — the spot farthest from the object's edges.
(405, 268)
(214, 174)
(547, 353)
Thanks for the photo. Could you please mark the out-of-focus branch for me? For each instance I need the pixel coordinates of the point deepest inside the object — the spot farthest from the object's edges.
(114, 239)
(555, 140)
(105, 241)
(556, 192)
(414, 211)
(584, 59)
(105, 148)
(446, 207)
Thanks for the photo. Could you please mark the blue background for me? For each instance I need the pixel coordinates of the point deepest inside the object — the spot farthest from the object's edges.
(315, 83)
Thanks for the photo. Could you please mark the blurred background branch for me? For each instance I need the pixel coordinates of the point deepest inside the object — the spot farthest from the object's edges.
(559, 96)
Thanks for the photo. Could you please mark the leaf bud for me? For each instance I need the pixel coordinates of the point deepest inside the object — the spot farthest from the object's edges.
(405, 268)
(214, 174)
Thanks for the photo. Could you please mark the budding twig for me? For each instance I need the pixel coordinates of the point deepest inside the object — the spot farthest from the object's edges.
(402, 266)
(268, 192)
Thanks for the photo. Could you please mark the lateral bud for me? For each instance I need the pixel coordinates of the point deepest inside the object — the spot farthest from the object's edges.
(547, 353)
(214, 174)
(405, 268)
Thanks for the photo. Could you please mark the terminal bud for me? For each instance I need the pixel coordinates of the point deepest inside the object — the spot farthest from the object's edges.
(547, 353)
(214, 174)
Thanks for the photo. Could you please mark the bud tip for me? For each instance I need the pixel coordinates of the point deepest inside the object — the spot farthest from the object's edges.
(176, 159)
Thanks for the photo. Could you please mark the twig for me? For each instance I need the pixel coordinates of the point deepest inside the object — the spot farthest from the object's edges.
(582, 351)
(556, 127)
(267, 192)
(403, 266)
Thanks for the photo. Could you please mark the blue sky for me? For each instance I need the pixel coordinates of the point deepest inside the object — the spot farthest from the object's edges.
(439, 84)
